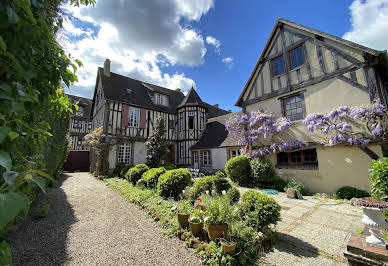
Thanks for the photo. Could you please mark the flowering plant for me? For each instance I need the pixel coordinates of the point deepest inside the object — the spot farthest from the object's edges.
(257, 128)
(338, 124)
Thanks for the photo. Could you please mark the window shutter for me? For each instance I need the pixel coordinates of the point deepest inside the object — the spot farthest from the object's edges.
(142, 118)
(124, 115)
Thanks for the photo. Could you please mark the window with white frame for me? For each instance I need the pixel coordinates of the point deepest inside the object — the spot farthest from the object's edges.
(90, 125)
(181, 120)
(206, 158)
(235, 153)
(191, 120)
(160, 99)
(134, 117)
(124, 155)
(201, 121)
(77, 123)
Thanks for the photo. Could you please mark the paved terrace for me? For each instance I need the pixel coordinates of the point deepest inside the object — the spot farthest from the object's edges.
(313, 231)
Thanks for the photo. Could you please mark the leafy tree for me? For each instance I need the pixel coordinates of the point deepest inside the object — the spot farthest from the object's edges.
(157, 144)
(32, 68)
(95, 140)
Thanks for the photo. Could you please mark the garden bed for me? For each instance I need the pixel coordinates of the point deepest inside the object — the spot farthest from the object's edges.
(250, 244)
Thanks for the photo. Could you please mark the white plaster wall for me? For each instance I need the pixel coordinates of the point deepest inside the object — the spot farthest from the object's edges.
(218, 158)
(140, 153)
(112, 156)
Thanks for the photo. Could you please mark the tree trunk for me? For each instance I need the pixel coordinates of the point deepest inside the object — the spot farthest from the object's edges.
(370, 153)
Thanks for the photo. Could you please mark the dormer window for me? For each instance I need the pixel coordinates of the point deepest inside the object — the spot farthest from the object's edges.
(160, 99)
(80, 111)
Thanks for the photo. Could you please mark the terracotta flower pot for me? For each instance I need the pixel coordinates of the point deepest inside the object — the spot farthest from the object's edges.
(196, 228)
(183, 219)
(217, 231)
(229, 249)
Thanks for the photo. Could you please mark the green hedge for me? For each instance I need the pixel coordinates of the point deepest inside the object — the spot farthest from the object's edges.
(171, 183)
(348, 192)
(262, 171)
(134, 174)
(379, 178)
(259, 210)
(151, 177)
(238, 170)
(56, 148)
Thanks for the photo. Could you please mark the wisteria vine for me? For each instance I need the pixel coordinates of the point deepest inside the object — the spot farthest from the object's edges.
(337, 124)
(254, 128)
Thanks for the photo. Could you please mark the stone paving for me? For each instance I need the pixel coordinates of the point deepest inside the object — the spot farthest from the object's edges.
(313, 231)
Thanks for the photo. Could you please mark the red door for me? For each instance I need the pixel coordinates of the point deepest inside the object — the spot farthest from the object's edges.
(77, 161)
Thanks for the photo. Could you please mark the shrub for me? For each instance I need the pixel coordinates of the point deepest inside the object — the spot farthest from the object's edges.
(278, 184)
(117, 170)
(185, 207)
(233, 195)
(151, 177)
(125, 170)
(172, 182)
(259, 210)
(351, 192)
(262, 171)
(296, 185)
(201, 185)
(221, 183)
(134, 174)
(379, 178)
(238, 170)
(169, 166)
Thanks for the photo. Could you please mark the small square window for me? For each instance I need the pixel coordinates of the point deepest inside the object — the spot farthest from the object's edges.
(293, 107)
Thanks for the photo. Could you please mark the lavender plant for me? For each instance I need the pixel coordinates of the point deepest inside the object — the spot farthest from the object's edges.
(256, 129)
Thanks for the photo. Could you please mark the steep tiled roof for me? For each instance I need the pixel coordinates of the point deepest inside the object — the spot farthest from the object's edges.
(192, 99)
(137, 93)
(215, 133)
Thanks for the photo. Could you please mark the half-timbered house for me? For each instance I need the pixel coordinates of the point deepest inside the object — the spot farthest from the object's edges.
(80, 125)
(301, 71)
(127, 110)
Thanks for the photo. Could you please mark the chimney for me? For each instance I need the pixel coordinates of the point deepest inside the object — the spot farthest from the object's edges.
(215, 105)
(107, 67)
(229, 111)
(178, 90)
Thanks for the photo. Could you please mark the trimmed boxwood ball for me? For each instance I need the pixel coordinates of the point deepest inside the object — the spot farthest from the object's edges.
(348, 192)
(259, 210)
(233, 194)
(238, 170)
(172, 182)
(262, 171)
(201, 185)
(134, 174)
(151, 177)
(124, 170)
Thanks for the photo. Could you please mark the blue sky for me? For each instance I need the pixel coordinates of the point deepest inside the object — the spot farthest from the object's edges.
(211, 44)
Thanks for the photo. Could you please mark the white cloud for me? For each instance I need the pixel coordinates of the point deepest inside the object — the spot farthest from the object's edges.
(213, 41)
(369, 21)
(228, 61)
(139, 37)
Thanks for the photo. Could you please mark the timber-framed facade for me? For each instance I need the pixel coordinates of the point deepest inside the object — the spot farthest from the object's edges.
(127, 109)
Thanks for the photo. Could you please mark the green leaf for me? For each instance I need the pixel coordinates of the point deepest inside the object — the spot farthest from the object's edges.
(5, 254)
(12, 16)
(79, 63)
(44, 174)
(3, 46)
(5, 160)
(3, 133)
(11, 204)
(13, 135)
(39, 181)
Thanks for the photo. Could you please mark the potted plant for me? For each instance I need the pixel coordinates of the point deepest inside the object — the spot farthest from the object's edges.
(229, 243)
(184, 209)
(217, 216)
(196, 222)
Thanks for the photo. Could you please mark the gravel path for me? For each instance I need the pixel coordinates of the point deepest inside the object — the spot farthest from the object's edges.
(90, 224)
